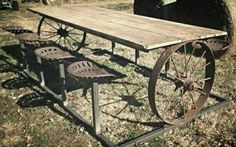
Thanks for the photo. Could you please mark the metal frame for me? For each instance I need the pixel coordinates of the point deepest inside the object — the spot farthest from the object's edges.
(62, 32)
(94, 129)
(184, 81)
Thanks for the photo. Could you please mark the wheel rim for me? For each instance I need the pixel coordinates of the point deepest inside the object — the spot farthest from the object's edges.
(61, 34)
(179, 95)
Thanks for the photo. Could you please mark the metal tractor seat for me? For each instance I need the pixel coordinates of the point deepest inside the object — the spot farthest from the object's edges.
(16, 29)
(53, 53)
(88, 70)
(32, 40)
(29, 42)
(218, 46)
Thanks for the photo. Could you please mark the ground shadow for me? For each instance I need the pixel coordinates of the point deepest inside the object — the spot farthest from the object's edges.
(122, 61)
(35, 99)
(14, 51)
(41, 99)
(17, 83)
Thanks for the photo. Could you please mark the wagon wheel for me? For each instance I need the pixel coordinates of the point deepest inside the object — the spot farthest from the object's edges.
(64, 35)
(176, 95)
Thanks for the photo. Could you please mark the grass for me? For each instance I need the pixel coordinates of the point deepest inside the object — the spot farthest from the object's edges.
(123, 103)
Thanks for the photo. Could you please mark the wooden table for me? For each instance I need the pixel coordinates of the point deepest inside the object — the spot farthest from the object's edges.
(134, 31)
(142, 34)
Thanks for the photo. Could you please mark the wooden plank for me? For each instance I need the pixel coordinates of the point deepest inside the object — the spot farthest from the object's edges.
(134, 31)
(121, 34)
(183, 31)
(148, 20)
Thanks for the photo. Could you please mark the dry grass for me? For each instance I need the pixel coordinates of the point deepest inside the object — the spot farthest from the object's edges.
(123, 103)
(232, 8)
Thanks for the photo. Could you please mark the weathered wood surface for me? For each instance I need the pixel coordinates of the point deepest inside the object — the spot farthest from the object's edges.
(135, 31)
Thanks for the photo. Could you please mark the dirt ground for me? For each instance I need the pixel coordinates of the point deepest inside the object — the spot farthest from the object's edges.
(124, 106)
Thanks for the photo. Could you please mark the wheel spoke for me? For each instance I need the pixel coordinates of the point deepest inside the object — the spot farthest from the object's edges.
(49, 32)
(198, 63)
(51, 25)
(51, 37)
(175, 68)
(173, 100)
(60, 41)
(185, 61)
(58, 24)
(205, 65)
(76, 34)
(68, 42)
(73, 39)
(182, 102)
(205, 79)
(200, 91)
(182, 63)
(71, 29)
(194, 48)
(65, 41)
(173, 76)
(66, 27)
(58, 38)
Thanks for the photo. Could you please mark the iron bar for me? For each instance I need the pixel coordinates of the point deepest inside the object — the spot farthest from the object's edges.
(164, 128)
(113, 45)
(137, 55)
(95, 108)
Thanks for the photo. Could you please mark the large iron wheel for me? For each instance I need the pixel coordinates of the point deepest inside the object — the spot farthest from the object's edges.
(64, 35)
(181, 81)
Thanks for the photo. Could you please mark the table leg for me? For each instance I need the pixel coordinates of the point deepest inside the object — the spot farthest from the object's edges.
(23, 48)
(41, 74)
(136, 56)
(113, 45)
(63, 81)
(95, 107)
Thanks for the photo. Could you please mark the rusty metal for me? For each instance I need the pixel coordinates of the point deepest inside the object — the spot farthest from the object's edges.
(218, 46)
(62, 34)
(184, 82)
(56, 54)
(32, 39)
(16, 29)
(86, 69)
(52, 53)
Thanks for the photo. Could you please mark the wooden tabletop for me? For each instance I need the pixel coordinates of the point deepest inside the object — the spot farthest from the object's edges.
(134, 31)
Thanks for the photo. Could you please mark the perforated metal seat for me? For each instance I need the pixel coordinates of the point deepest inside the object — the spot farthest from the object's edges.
(32, 39)
(217, 44)
(86, 69)
(52, 53)
(89, 71)
(16, 29)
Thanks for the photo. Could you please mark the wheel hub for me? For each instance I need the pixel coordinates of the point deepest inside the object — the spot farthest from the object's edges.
(187, 84)
(62, 32)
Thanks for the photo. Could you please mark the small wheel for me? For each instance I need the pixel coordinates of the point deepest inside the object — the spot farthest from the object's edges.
(181, 81)
(64, 35)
